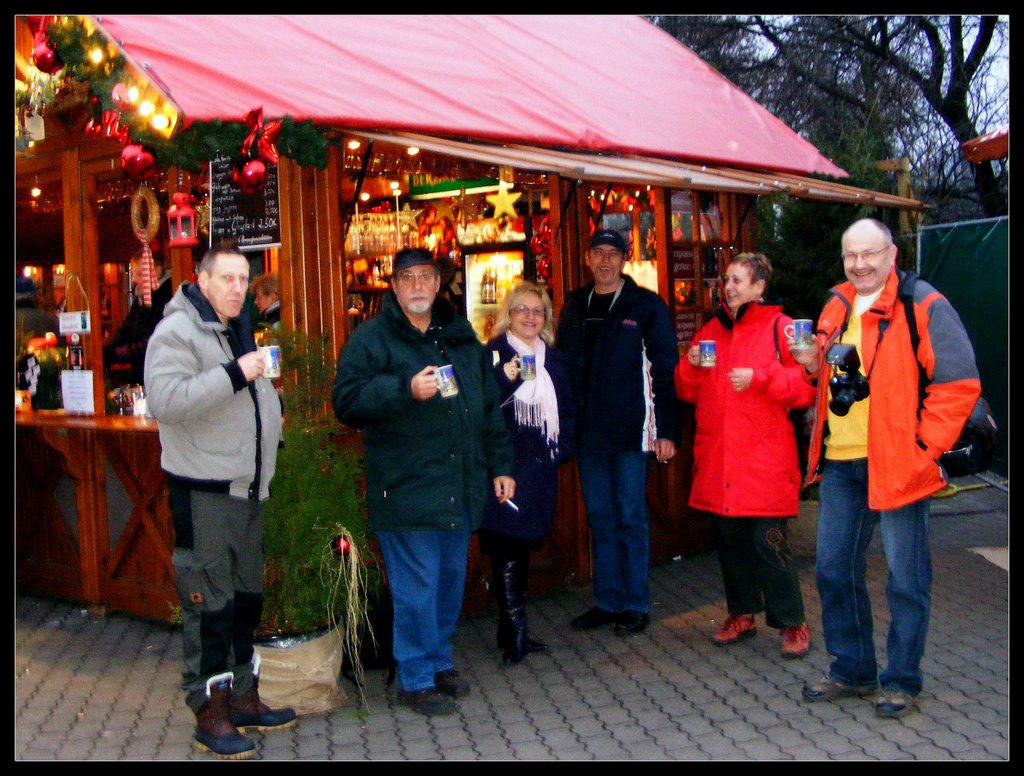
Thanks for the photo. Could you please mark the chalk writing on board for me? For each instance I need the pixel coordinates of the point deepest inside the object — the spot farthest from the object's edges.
(250, 222)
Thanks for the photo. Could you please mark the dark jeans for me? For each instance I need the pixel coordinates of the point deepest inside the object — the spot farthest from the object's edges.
(757, 568)
(845, 528)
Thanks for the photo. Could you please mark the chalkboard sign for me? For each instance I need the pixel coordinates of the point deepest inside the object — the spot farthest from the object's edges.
(249, 222)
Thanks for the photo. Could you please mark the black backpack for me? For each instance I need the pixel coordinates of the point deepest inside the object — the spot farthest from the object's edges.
(973, 450)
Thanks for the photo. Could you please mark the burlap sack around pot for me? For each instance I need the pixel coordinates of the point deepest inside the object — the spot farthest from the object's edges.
(302, 672)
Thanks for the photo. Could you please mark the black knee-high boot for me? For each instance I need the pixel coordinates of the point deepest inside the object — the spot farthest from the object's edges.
(515, 609)
(519, 643)
(524, 567)
(498, 561)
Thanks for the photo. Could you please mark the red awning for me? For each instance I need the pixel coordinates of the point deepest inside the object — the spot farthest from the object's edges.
(587, 83)
(985, 148)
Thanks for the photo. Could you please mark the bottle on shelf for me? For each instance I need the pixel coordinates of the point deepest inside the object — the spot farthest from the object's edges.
(76, 352)
(489, 287)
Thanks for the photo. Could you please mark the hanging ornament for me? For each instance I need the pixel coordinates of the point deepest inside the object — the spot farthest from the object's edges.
(341, 546)
(181, 222)
(44, 55)
(145, 197)
(126, 97)
(249, 175)
(504, 201)
(148, 280)
(138, 162)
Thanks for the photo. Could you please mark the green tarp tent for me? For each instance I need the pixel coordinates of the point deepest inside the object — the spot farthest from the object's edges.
(969, 262)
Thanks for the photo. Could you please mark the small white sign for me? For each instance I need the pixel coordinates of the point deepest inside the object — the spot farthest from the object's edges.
(76, 390)
(75, 323)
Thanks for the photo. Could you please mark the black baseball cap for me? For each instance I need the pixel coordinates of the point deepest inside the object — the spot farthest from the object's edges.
(609, 237)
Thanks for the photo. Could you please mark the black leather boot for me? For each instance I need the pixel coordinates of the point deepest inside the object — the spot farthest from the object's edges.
(515, 610)
(524, 571)
(504, 634)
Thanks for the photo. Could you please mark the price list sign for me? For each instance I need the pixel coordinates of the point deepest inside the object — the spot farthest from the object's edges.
(684, 293)
(250, 222)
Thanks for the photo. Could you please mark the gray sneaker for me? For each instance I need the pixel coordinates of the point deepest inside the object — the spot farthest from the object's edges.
(894, 702)
(828, 689)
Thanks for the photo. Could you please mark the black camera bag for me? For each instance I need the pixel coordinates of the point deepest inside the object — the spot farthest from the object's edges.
(973, 450)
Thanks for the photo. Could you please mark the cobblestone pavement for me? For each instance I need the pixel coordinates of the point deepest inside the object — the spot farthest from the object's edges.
(106, 688)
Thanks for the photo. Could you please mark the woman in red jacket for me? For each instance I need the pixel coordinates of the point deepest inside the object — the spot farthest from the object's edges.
(745, 470)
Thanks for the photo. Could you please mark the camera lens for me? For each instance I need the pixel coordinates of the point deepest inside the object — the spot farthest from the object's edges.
(842, 395)
(847, 389)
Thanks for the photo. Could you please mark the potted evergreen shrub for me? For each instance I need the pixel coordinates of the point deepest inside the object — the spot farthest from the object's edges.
(319, 567)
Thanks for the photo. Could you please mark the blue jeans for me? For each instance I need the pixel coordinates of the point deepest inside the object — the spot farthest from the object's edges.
(845, 526)
(427, 574)
(614, 485)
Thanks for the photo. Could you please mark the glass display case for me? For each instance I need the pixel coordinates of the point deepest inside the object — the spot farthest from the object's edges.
(490, 272)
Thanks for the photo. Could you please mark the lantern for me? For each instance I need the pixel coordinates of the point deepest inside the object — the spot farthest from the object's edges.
(181, 222)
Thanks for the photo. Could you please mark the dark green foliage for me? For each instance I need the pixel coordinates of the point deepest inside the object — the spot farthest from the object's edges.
(802, 237)
(317, 494)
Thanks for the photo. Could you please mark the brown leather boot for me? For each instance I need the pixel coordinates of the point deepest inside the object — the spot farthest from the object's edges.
(248, 712)
(215, 732)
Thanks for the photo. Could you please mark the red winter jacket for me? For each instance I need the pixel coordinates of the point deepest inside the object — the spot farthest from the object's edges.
(744, 451)
(903, 447)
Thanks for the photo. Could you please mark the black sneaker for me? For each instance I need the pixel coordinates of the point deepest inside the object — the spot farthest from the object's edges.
(451, 684)
(631, 622)
(428, 702)
(595, 618)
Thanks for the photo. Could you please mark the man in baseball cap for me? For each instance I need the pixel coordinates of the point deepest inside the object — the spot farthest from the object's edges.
(622, 353)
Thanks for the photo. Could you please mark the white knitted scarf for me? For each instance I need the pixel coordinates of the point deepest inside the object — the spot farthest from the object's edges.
(535, 401)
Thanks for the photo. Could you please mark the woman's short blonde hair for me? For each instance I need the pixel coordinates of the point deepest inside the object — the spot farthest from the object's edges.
(513, 298)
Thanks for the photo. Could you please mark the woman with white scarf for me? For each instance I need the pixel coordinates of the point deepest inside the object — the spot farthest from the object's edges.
(534, 382)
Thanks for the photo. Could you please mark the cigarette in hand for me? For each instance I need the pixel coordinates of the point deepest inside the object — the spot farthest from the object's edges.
(512, 504)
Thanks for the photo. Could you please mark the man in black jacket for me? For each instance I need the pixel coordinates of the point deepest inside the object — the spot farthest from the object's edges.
(622, 352)
(124, 352)
(432, 455)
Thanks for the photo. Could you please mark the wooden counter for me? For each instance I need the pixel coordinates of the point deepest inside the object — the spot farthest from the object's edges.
(93, 522)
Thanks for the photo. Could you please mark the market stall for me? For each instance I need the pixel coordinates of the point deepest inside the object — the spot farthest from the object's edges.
(499, 143)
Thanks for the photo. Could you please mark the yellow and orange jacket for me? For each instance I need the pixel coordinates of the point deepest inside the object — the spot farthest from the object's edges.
(903, 445)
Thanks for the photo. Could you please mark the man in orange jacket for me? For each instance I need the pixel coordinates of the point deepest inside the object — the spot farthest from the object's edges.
(875, 449)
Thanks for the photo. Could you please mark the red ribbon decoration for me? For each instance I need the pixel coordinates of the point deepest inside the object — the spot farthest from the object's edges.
(109, 126)
(147, 283)
(264, 135)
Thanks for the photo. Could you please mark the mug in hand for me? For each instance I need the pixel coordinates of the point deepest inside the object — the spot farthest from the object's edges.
(707, 353)
(447, 386)
(801, 331)
(528, 366)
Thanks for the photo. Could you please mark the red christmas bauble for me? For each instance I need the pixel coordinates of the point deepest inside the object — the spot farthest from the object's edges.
(340, 546)
(45, 57)
(121, 95)
(249, 175)
(138, 162)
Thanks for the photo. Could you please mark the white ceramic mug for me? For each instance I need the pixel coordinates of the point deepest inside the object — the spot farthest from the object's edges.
(447, 385)
(272, 358)
(801, 331)
(707, 353)
(528, 366)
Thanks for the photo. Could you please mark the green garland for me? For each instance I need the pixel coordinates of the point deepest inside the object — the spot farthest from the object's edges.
(194, 145)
